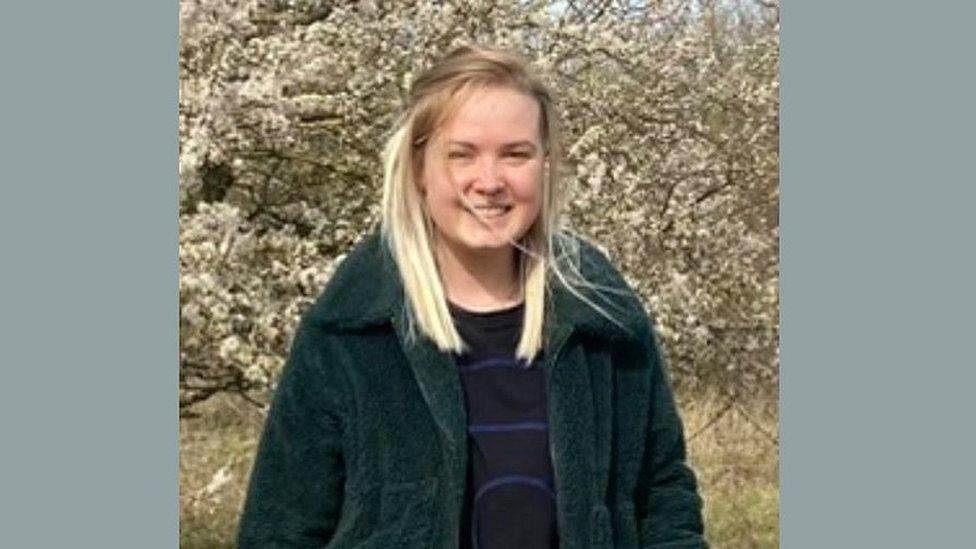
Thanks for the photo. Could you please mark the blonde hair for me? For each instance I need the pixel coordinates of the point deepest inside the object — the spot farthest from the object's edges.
(406, 228)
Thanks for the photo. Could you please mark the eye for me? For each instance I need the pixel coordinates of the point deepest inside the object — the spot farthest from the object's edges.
(459, 154)
(517, 154)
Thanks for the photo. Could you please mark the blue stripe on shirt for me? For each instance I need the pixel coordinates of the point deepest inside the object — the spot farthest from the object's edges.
(508, 427)
(543, 484)
(492, 363)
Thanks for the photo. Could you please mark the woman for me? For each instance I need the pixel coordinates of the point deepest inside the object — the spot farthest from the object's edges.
(472, 376)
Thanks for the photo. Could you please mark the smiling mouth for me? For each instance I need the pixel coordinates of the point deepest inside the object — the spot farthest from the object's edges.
(489, 212)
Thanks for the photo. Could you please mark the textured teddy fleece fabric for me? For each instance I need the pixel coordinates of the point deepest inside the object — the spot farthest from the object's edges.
(365, 442)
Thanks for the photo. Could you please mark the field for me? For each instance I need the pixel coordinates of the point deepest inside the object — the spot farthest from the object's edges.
(735, 456)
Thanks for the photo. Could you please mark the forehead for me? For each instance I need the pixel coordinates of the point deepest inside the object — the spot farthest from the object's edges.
(494, 116)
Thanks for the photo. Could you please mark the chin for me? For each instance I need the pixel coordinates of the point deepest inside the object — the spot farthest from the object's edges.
(486, 242)
(481, 239)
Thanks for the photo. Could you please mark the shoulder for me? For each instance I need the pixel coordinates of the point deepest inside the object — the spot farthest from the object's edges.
(320, 347)
(639, 348)
(362, 290)
(589, 256)
(588, 268)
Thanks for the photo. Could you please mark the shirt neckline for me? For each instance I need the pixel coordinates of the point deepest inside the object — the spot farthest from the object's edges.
(455, 308)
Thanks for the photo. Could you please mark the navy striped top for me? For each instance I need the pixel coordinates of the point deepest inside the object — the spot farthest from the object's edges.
(510, 501)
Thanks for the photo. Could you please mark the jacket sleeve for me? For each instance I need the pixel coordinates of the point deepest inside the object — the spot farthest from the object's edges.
(668, 505)
(296, 488)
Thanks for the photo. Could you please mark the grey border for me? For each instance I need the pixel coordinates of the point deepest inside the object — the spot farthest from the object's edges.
(877, 264)
(88, 300)
(877, 274)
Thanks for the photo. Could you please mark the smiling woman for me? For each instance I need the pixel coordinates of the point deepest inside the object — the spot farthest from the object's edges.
(482, 188)
(474, 375)
(471, 201)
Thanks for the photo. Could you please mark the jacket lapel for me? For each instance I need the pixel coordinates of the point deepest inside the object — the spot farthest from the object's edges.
(440, 384)
(570, 422)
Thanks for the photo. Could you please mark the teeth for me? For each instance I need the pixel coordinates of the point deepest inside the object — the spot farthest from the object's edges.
(492, 211)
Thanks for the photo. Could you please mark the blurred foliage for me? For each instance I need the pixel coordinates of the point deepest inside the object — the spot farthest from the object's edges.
(670, 116)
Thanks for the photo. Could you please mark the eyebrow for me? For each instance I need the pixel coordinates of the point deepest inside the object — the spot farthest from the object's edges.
(512, 145)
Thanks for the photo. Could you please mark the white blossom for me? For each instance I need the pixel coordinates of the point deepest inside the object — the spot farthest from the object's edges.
(670, 118)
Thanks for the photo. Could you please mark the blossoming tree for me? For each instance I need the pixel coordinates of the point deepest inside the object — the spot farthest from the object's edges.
(670, 115)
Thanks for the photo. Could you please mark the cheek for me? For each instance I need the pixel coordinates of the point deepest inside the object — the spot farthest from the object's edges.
(442, 204)
(442, 196)
(528, 191)
(437, 190)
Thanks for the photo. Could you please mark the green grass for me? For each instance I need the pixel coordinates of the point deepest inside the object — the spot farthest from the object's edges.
(736, 461)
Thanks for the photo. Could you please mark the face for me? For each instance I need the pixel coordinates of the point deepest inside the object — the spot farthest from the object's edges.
(482, 171)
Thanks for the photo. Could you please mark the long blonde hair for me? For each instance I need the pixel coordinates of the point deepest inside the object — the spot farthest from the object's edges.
(407, 230)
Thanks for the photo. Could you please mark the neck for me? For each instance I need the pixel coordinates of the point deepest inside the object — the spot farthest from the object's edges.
(479, 281)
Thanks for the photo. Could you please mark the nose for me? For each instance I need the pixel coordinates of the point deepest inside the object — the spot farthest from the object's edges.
(489, 181)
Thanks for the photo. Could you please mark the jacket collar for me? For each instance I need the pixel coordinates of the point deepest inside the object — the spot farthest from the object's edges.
(365, 291)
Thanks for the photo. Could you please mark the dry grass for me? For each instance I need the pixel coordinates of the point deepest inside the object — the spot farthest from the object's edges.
(216, 451)
(736, 462)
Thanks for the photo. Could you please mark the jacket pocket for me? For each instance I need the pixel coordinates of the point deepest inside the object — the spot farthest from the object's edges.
(406, 513)
(628, 535)
(601, 529)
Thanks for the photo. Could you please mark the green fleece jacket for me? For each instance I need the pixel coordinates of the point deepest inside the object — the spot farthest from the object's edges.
(365, 442)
